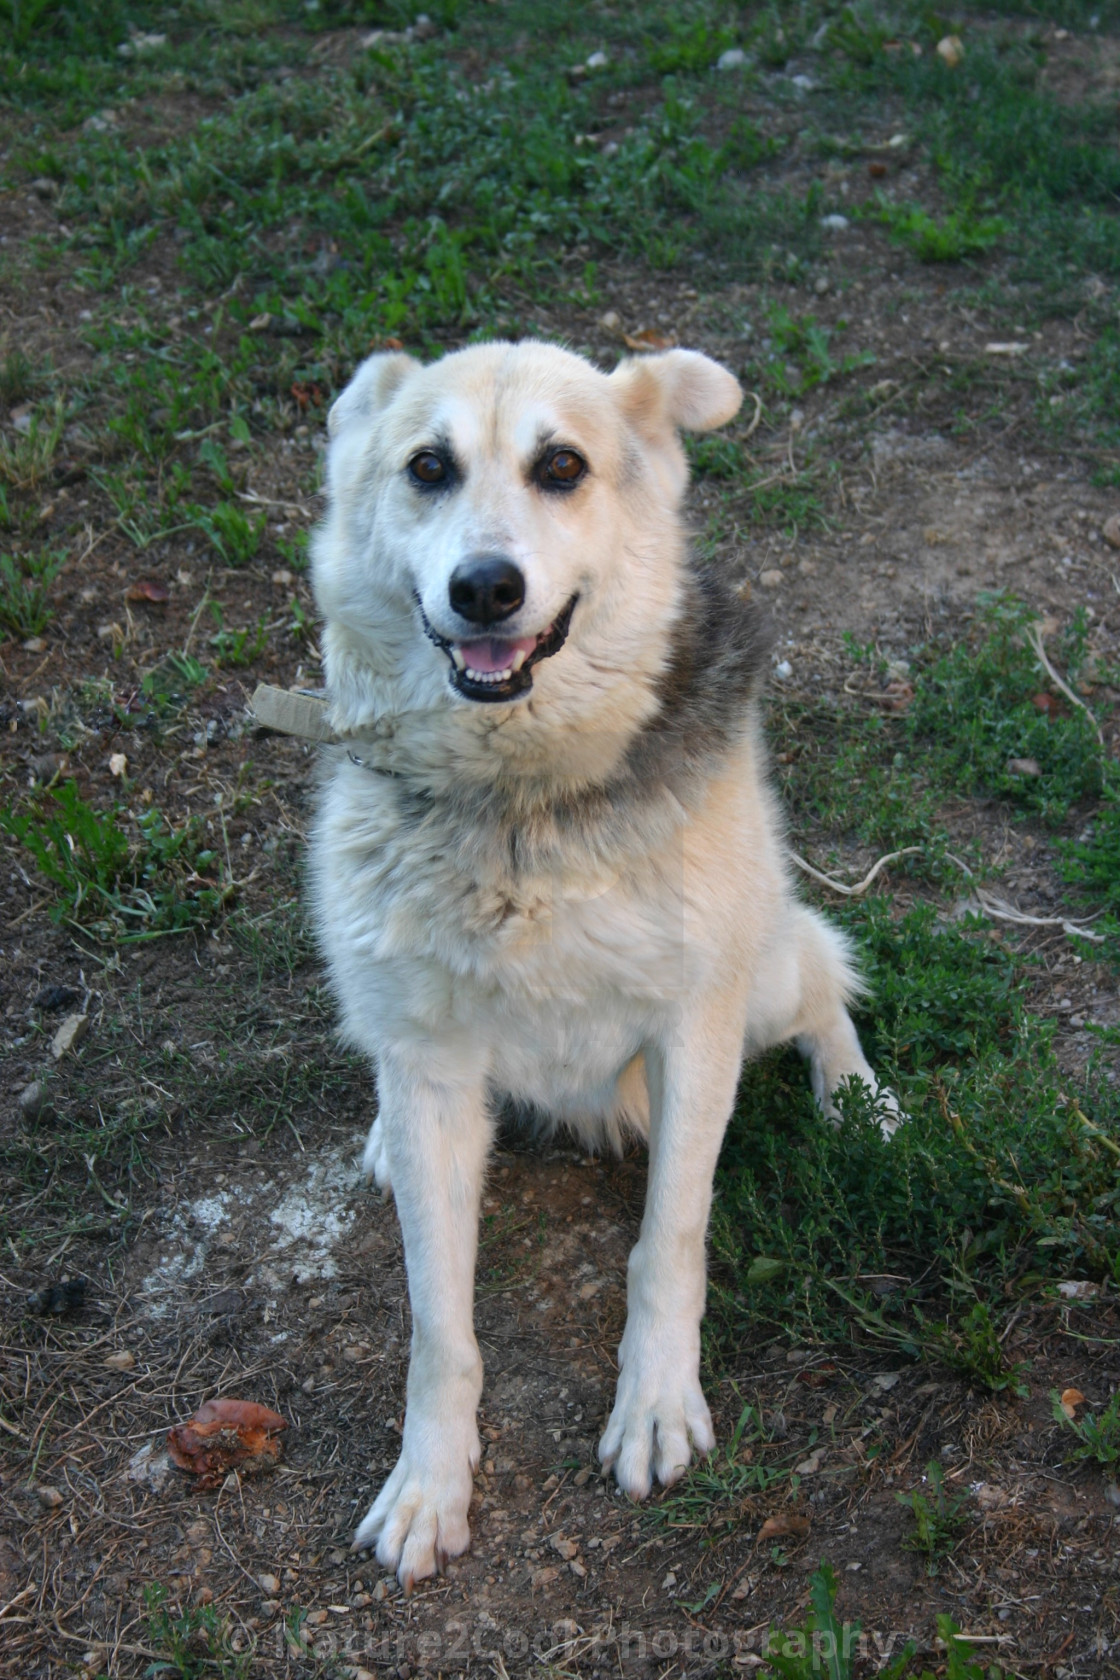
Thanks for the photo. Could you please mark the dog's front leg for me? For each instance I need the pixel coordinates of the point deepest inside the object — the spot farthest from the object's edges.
(436, 1134)
(660, 1412)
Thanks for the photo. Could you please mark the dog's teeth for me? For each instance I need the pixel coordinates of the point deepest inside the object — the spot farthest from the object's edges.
(458, 660)
(519, 659)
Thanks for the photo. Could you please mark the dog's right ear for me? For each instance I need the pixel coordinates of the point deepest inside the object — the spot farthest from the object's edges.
(372, 388)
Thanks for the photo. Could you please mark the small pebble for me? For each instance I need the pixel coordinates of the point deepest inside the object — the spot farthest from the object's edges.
(770, 579)
(269, 1585)
(33, 1100)
(733, 59)
(49, 1498)
(1111, 531)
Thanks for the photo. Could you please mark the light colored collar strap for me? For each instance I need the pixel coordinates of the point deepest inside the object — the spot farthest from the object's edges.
(292, 711)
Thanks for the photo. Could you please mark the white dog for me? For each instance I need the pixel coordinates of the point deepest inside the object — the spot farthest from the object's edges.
(550, 871)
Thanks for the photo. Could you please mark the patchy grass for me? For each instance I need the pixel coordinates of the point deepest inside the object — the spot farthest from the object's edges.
(938, 1518)
(25, 587)
(124, 878)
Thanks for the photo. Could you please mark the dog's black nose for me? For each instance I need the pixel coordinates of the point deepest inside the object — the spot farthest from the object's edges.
(486, 589)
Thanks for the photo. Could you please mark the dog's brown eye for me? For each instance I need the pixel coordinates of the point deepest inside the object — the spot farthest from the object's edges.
(427, 468)
(563, 466)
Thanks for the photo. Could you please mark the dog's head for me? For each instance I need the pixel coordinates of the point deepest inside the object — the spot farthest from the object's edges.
(503, 531)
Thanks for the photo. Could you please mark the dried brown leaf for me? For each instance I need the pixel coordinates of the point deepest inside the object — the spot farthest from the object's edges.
(787, 1525)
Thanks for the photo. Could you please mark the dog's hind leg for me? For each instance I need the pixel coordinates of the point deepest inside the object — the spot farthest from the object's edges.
(435, 1132)
(818, 991)
(375, 1159)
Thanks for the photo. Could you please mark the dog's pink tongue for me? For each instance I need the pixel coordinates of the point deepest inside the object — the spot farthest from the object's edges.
(492, 655)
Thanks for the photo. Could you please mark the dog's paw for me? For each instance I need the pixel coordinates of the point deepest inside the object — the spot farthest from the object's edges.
(888, 1112)
(419, 1519)
(660, 1416)
(375, 1159)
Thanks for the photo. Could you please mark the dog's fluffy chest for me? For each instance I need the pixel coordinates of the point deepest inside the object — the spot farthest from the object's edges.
(435, 927)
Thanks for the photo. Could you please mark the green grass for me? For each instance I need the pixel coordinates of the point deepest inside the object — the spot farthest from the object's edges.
(948, 238)
(825, 1648)
(938, 1518)
(715, 1493)
(999, 1183)
(25, 586)
(1097, 1434)
(123, 878)
(197, 1643)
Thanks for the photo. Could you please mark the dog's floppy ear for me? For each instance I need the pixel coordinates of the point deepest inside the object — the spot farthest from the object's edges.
(678, 388)
(372, 388)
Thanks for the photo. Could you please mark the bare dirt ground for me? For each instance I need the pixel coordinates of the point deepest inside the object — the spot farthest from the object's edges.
(253, 1261)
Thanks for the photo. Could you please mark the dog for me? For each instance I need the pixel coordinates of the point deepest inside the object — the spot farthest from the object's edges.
(547, 868)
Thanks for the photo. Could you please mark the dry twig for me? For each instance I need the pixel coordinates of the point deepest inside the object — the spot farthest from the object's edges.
(860, 886)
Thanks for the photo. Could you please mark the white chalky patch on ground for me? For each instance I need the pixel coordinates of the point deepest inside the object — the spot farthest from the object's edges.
(184, 1249)
(313, 1216)
(300, 1231)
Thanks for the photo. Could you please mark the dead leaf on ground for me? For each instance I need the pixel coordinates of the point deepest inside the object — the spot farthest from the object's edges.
(1048, 703)
(896, 697)
(224, 1434)
(307, 395)
(817, 1375)
(147, 589)
(1071, 1399)
(787, 1525)
(649, 339)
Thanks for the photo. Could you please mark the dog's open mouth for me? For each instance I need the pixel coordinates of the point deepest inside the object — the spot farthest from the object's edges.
(496, 667)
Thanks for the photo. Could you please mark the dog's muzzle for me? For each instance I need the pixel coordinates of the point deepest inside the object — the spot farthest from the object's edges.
(496, 667)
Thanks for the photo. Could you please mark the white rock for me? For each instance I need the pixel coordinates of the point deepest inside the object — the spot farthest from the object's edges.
(733, 59)
(118, 764)
(597, 61)
(783, 670)
(835, 223)
(803, 84)
(150, 1468)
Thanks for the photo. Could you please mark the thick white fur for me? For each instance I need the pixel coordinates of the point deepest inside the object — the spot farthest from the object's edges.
(615, 990)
